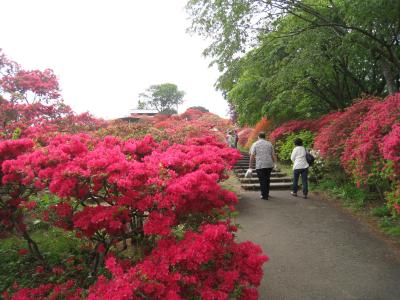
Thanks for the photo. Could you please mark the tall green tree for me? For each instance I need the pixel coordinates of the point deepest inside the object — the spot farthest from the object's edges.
(291, 77)
(236, 25)
(298, 59)
(165, 98)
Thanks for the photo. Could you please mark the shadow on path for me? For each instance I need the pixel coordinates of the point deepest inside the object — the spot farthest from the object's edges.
(316, 251)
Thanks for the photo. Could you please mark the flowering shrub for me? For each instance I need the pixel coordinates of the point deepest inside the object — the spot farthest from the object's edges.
(331, 139)
(362, 151)
(263, 125)
(244, 135)
(175, 129)
(40, 122)
(112, 190)
(293, 127)
(207, 264)
(192, 114)
(222, 125)
(43, 85)
(156, 195)
(23, 86)
(125, 130)
(10, 200)
(371, 153)
(393, 200)
(390, 148)
(67, 290)
(328, 119)
(364, 140)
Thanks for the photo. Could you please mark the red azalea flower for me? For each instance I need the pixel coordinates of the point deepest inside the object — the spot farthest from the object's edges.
(23, 251)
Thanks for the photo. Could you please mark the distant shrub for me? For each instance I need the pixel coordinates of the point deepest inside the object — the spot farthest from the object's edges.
(375, 138)
(263, 125)
(244, 135)
(293, 127)
(331, 139)
(285, 147)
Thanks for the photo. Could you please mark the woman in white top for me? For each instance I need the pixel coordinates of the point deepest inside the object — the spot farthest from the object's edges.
(300, 167)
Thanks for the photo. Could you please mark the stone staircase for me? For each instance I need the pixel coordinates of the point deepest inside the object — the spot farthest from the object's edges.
(279, 180)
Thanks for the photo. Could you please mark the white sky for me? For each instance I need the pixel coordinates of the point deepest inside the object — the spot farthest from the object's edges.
(106, 52)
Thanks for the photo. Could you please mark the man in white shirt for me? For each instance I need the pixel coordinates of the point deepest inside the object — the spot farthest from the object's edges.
(265, 157)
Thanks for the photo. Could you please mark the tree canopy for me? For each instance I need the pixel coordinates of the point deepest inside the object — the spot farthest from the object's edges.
(165, 98)
(299, 59)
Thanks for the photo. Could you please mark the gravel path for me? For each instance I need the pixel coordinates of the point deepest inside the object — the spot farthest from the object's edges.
(316, 250)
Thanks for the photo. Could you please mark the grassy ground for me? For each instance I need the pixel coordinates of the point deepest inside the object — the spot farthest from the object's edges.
(55, 245)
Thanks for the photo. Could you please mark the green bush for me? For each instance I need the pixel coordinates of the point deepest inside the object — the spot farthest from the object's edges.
(55, 244)
(285, 147)
(381, 211)
(390, 225)
(348, 192)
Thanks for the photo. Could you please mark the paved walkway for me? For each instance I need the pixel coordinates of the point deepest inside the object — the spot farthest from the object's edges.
(317, 251)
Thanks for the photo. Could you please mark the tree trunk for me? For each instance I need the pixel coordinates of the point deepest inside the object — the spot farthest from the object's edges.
(390, 75)
(33, 247)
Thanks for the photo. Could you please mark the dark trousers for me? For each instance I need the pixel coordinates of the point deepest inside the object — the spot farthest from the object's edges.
(304, 180)
(264, 176)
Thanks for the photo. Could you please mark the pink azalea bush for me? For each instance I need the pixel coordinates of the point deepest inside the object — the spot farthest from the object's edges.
(331, 139)
(264, 125)
(293, 127)
(390, 147)
(244, 135)
(207, 264)
(364, 140)
(123, 190)
(111, 191)
(363, 147)
(144, 200)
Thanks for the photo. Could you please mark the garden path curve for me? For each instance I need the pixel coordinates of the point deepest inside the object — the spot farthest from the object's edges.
(317, 250)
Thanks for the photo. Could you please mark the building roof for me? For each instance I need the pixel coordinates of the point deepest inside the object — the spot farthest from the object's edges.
(144, 111)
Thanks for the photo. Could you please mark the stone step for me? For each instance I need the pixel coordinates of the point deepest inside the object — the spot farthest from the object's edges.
(244, 166)
(273, 186)
(254, 180)
(254, 174)
(241, 173)
(279, 180)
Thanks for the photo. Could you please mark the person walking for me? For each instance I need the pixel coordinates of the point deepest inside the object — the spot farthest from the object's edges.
(300, 167)
(263, 153)
(230, 139)
(236, 138)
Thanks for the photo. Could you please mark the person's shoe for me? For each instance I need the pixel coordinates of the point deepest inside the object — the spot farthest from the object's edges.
(305, 196)
(293, 194)
(264, 198)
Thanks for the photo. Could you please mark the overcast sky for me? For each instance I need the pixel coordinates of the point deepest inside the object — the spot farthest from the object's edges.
(106, 52)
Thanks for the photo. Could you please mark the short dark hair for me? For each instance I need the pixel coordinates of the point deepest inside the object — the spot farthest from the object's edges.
(298, 142)
(261, 135)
